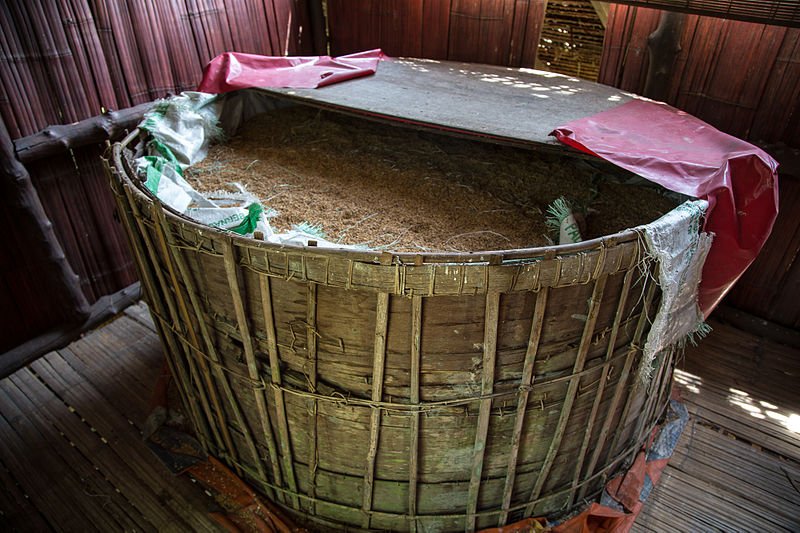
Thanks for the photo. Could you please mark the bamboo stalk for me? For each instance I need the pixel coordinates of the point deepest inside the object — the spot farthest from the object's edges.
(655, 394)
(487, 387)
(311, 372)
(665, 391)
(572, 390)
(58, 60)
(99, 68)
(381, 322)
(17, 81)
(252, 367)
(623, 300)
(110, 36)
(637, 383)
(145, 270)
(168, 244)
(193, 343)
(173, 317)
(526, 384)
(154, 51)
(280, 405)
(414, 398)
(618, 390)
(180, 42)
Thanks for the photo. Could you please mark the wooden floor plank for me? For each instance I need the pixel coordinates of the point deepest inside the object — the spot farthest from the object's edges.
(698, 506)
(17, 511)
(103, 504)
(128, 399)
(731, 419)
(735, 493)
(138, 467)
(730, 358)
(28, 450)
(739, 459)
(136, 358)
(732, 471)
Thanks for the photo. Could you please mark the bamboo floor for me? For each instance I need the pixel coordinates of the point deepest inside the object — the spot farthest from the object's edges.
(72, 457)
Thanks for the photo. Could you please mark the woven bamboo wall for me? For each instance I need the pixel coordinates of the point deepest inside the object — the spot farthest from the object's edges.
(741, 77)
(572, 39)
(498, 32)
(66, 60)
(70, 59)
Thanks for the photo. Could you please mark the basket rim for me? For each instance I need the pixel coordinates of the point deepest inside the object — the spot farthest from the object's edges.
(630, 235)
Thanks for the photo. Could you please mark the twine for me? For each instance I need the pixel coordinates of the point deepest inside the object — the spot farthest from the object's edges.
(623, 455)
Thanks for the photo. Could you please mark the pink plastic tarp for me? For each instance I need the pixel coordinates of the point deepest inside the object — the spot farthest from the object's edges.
(231, 71)
(654, 140)
(686, 155)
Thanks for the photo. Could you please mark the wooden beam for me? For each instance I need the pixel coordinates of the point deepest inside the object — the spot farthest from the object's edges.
(55, 140)
(101, 311)
(777, 12)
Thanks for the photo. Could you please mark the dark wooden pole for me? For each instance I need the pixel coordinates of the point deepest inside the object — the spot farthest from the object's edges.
(56, 140)
(663, 46)
(22, 201)
(100, 312)
(319, 33)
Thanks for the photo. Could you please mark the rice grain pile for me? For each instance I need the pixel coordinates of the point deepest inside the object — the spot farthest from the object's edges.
(401, 189)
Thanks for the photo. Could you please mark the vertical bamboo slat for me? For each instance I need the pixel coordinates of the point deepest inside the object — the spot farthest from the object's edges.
(528, 373)
(192, 343)
(252, 367)
(487, 387)
(572, 390)
(413, 460)
(311, 376)
(655, 393)
(622, 383)
(152, 296)
(637, 382)
(612, 341)
(173, 255)
(277, 381)
(381, 323)
(171, 322)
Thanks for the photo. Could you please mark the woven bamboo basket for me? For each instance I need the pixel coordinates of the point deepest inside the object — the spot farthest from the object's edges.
(403, 391)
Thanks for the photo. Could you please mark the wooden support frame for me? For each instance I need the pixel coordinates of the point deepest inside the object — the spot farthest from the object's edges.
(26, 209)
(22, 198)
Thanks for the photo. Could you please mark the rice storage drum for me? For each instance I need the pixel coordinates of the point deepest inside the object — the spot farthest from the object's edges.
(423, 358)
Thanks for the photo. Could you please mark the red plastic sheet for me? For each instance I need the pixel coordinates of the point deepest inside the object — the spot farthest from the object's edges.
(231, 71)
(686, 155)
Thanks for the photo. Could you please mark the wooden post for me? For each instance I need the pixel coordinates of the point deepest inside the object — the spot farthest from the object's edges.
(663, 47)
(319, 27)
(24, 205)
(25, 208)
